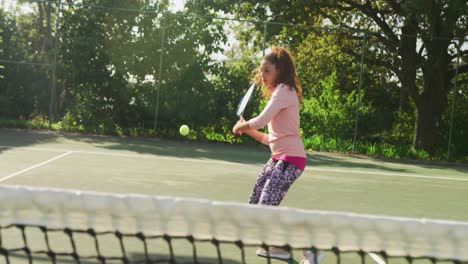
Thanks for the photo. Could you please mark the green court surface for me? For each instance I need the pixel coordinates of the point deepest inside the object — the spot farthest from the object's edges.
(226, 172)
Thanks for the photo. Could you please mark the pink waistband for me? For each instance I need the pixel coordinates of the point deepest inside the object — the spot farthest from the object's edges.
(299, 162)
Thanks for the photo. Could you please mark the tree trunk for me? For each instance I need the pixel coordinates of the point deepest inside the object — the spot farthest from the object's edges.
(404, 105)
(409, 64)
(432, 102)
(425, 128)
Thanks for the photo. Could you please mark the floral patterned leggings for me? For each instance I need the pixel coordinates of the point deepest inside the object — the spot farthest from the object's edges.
(273, 182)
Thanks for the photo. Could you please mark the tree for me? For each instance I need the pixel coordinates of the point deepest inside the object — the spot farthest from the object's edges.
(24, 89)
(405, 37)
(415, 35)
(109, 50)
(413, 39)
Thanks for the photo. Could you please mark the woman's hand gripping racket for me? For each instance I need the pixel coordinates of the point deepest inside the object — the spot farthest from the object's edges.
(244, 102)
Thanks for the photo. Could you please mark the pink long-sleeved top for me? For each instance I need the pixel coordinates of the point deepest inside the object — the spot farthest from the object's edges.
(281, 114)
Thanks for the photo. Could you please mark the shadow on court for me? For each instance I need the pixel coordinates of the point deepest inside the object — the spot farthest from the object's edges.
(259, 154)
(24, 138)
(247, 153)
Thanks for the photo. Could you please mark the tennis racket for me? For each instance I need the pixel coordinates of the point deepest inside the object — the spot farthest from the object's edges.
(244, 102)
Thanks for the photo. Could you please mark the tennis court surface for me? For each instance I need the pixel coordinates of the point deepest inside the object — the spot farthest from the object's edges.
(73, 182)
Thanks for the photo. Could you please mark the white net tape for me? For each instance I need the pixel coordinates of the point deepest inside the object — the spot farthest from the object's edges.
(153, 215)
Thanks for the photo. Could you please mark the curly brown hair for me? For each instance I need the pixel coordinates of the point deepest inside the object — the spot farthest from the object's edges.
(284, 63)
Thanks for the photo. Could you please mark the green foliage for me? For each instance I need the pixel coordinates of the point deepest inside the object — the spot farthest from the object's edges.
(320, 143)
(435, 24)
(458, 99)
(403, 128)
(371, 150)
(319, 47)
(332, 112)
(110, 66)
(418, 154)
(387, 150)
(229, 85)
(24, 89)
(40, 121)
(37, 122)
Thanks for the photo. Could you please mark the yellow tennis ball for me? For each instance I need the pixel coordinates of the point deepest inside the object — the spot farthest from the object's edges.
(184, 130)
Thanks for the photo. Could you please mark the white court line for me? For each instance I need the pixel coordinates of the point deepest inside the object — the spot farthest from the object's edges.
(155, 156)
(376, 258)
(392, 174)
(35, 166)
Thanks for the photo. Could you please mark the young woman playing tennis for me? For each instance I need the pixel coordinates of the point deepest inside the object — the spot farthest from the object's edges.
(288, 157)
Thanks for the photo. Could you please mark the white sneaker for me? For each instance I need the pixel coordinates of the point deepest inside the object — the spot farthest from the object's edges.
(308, 257)
(274, 252)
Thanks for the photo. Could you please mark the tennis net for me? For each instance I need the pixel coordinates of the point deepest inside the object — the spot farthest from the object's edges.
(43, 225)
